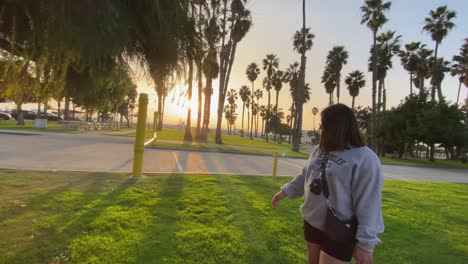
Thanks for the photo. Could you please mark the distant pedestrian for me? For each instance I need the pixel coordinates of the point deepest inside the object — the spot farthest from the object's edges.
(342, 189)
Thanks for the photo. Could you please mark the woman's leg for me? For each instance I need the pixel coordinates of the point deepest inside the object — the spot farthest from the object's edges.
(327, 259)
(313, 253)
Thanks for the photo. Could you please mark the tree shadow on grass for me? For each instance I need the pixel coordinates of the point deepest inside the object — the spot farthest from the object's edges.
(158, 244)
(68, 221)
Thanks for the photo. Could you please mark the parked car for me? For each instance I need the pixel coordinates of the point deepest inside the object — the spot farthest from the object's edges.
(5, 116)
(50, 117)
(28, 115)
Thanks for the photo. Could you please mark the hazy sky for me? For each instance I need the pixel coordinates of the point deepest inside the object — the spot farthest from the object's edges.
(337, 22)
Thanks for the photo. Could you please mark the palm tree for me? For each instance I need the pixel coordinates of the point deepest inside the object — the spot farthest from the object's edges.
(263, 111)
(422, 68)
(337, 57)
(314, 112)
(258, 94)
(355, 82)
(211, 71)
(443, 67)
(329, 81)
(240, 23)
(278, 80)
(409, 58)
(252, 73)
(244, 93)
(387, 46)
(270, 64)
(373, 15)
(302, 42)
(460, 67)
(438, 24)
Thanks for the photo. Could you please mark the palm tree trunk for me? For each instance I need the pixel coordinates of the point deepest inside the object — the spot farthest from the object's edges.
(330, 101)
(374, 90)
(252, 105)
(188, 125)
(39, 108)
(200, 101)
(384, 97)
(276, 111)
(268, 115)
(256, 125)
(338, 88)
(206, 114)
(411, 82)
(354, 97)
(243, 110)
(433, 91)
(421, 86)
(248, 121)
(379, 97)
(160, 106)
(459, 88)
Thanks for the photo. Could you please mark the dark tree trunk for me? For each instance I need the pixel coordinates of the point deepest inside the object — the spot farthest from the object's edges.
(66, 112)
(188, 125)
(160, 107)
(252, 106)
(19, 114)
(433, 90)
(354, 97)
(243, 110)
(459, 88)
(374, 90)
(59, 105)
(206, 114)
(411, 82)
(200, 102)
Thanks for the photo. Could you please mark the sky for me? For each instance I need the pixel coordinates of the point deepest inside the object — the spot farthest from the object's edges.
(334, 22)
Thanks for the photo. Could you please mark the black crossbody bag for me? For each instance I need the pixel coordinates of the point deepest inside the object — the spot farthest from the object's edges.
(336, 229)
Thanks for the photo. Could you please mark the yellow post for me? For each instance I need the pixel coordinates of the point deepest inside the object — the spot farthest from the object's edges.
(140, 135)
(275, 164)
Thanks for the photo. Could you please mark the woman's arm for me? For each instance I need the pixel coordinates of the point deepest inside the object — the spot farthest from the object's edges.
(366, 193)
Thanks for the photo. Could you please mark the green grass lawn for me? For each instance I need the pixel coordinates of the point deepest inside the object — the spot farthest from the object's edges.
(424, 162)
(52, 126)
(236, 140)
(58, 217)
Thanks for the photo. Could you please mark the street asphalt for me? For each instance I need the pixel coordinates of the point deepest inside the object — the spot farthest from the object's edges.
(94, 152)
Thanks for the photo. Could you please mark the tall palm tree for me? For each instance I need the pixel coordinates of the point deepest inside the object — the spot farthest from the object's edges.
(258, 94)
(244, 93)
(460, 67)
(263, 111)
(355, 82)
(387, 45)
(422, 68)
(329, 81)
(409, 58)
(252, 73)
(270, 64)
(278, 80)
(314, 112)
(443, 67)
(373, 15)
(210, 70)
(240, 23)
(336, 58)
(438, 24)
(302, 42)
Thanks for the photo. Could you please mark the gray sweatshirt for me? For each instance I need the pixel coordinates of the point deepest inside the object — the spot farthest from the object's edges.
(355, 183)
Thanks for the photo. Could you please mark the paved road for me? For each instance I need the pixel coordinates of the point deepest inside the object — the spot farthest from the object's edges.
(44, 151)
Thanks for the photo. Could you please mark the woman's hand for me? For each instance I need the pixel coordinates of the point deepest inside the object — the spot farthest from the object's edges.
(363, 256)
(277, 198)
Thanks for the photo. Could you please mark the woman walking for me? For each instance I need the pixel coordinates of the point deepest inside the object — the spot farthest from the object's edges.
(342, 189)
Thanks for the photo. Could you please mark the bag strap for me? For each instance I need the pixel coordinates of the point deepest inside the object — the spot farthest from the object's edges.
(323, 179)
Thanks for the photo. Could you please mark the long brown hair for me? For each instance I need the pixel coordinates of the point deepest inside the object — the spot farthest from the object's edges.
(339, 128)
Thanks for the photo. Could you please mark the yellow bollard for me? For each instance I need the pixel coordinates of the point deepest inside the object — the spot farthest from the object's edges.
(140, 135)
(275, 164)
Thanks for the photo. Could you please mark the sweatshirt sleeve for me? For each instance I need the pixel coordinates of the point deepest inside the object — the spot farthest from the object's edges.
(295, 188)
(367, 201)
